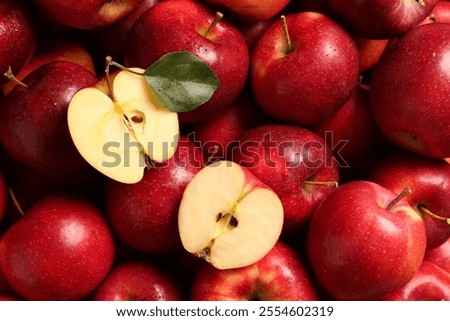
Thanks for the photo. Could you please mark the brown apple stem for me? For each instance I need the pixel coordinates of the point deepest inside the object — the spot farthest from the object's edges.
(406, 191)
(10, 76)
(108, 79)
(122, 67)
(421, 2)
(286, 34)
(426, 211)
(213, 24)
(329, 183)
(213, 154)
(16, 202)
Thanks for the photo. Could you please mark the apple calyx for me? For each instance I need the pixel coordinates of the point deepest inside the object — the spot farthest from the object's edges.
(426, 211)
(213, 25)
(406, 191)
(11, 77)
(228, 217)
(289, 47)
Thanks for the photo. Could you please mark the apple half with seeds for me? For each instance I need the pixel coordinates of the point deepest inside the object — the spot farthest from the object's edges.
(122, 128)
(229, 217)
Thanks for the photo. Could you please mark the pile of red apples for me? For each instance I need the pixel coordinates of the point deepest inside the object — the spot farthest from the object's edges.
(318, 170)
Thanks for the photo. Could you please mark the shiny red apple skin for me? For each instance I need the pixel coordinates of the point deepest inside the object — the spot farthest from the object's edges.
(252, 32)
(88, 15)
(414, 111)
(224, 50)
(431, 283)
(313, 81)
(137, 281)
(253, 10)
(3, 195)
(284, 157)
(429, 181)
(52, 49)
(440, 13)
(114, 37)
(17, 36)
(359, 250)
(370, 51)
(61, 249)
(378, 19)
(34, 128)
(440, 256)
(279, 276)
(218, 135)
(145, 215)
(362, 139)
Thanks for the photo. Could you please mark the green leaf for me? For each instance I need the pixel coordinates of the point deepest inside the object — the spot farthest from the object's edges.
(181, 81)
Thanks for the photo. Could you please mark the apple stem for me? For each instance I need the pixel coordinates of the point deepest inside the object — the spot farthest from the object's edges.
(16, 202)
(213, 154)
(286, 34)
(116, 64)
(108, 79)
(10, 76)
(406, 191)
(329, 183)
(432, 215)
(213, 24)
(421, 2)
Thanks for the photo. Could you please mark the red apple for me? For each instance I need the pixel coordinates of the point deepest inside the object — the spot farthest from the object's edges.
(28, 186)
(17, 36)
(307, 79)
(440, 13)
(5, 289)
(91, 14)
(145, 215)
(429, 181)
(3, 194)
(409, 91)
(53, 49)
(280, 275)
(228, 217)
(218, 134)
(252, 32)
(61, 249)
(137, 281)
(440, 256)
(370, 51)
(378, 18)
(363, 242)
(114, 37)
(183, 26)
(430, 283)
(34, 127)
(295, 162)
(256, 10)
(361, 139)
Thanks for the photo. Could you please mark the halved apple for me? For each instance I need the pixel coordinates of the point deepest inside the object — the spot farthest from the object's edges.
(229, 217)
(120, 131)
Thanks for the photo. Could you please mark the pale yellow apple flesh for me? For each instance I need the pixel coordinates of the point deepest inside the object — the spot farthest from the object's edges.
(119, 138)
(228, 219)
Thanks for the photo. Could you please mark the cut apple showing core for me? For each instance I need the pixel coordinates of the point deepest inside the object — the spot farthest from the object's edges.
(228, 217)
(121, 133)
